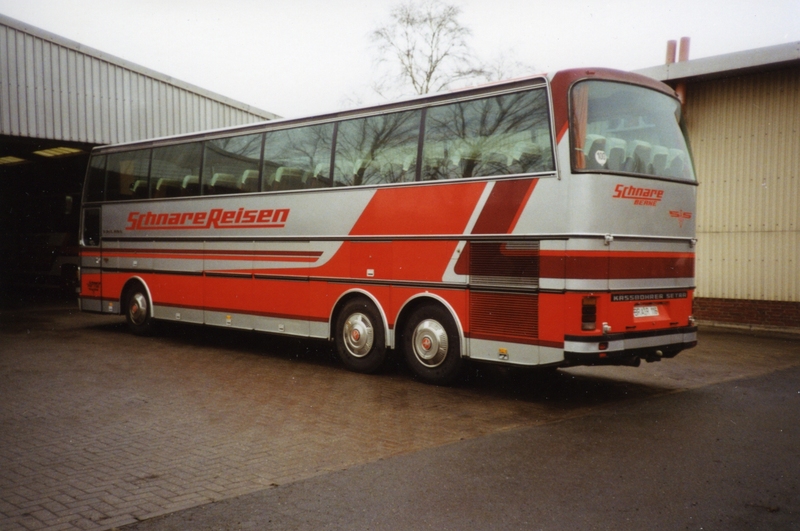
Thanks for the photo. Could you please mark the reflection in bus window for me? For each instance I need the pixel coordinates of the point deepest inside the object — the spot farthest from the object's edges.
(628, 129)
(378, 149)
(176, 170)
(297, 158)
(503, 135)
(126, 175)
(231, 165)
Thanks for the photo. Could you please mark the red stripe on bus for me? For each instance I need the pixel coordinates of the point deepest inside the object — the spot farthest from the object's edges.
(177, 254)
(159, 252)
(504, 206)
(419, 210)
(617, 254)
(523, 205)
(615, 267)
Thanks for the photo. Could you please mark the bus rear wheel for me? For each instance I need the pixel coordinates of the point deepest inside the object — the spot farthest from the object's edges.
(137, 310)
(360, 338)
(431, 345)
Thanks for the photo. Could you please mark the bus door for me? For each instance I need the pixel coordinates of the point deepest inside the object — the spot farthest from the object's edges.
(91, 261)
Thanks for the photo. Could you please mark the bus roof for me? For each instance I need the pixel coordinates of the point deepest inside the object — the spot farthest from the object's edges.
(560, 80)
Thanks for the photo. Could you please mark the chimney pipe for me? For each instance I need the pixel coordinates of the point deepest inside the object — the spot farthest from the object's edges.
(683, 55)
(671, 48)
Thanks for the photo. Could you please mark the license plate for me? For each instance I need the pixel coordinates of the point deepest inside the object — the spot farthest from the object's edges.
(645, 311)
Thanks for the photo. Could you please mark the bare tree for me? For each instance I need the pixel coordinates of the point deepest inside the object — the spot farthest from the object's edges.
(425, 48)
(505, 65)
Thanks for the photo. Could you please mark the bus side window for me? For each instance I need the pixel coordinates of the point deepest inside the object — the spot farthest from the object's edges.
(90, 234)
(501, 135)
(190, 185)
(126, 176)
(231, 164)
(175, 170)
(297, 158)
(96, 179)
(377, 150)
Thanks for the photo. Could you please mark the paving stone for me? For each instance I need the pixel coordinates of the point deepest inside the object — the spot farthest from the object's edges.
(94, 435)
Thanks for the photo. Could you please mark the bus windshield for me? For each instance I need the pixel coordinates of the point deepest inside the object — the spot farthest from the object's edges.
(623, 128)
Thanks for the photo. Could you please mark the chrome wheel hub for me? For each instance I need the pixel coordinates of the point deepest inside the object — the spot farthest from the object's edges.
(138, 309)
(358, 335)
(430, 343)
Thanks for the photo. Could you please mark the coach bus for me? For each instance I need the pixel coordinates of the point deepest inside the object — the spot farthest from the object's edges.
(545, 221)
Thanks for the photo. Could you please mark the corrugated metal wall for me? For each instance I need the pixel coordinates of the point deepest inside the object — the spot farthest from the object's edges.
(745, 134)
(53, 88)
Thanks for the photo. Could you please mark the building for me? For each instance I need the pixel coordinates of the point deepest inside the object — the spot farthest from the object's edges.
(58, 99)
(743, 115)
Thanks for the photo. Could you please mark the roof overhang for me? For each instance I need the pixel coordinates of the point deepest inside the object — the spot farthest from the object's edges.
(732, 64)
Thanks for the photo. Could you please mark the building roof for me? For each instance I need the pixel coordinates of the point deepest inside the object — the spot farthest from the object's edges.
(759, 59)
(55, 88)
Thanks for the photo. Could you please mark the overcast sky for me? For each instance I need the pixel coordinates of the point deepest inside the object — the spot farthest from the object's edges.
(301, 57)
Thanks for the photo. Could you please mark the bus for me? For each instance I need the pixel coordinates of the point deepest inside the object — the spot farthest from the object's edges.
(546, 221)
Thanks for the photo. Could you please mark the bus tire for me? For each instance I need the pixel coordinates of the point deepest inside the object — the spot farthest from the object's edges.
(431, 345)
(137, 310)
(360, 338)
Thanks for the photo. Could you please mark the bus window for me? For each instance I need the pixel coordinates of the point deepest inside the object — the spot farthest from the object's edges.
(377, 149)
(231, 165)
(126, 175)
(95, 180)
(502, 135)
(297, 158)
(91, 227)
(628, 129)
(176, 170)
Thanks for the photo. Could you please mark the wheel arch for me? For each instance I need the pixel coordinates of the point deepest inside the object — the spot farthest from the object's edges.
(349, 295)
(127, 287)
(420, 299)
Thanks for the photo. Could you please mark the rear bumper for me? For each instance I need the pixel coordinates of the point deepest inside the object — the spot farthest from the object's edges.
(627, 348)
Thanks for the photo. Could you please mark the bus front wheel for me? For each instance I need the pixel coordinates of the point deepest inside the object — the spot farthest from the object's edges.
(431, 345)
(137, 310)
(360, 338)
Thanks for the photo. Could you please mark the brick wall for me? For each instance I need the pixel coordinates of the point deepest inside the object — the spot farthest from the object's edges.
(748, 312)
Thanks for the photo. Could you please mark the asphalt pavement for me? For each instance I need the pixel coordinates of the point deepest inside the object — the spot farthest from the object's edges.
(726, 456)
(208, 428)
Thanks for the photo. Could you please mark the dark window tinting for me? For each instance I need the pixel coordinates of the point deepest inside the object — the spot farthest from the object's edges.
(377, 150)
(176, 170)
(231, 165)
(91, 227)
(298, 158)
(501, 135)
(95, 180)
(126, 175)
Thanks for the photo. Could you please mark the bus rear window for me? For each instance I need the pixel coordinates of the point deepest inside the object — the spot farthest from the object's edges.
(623, 128)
